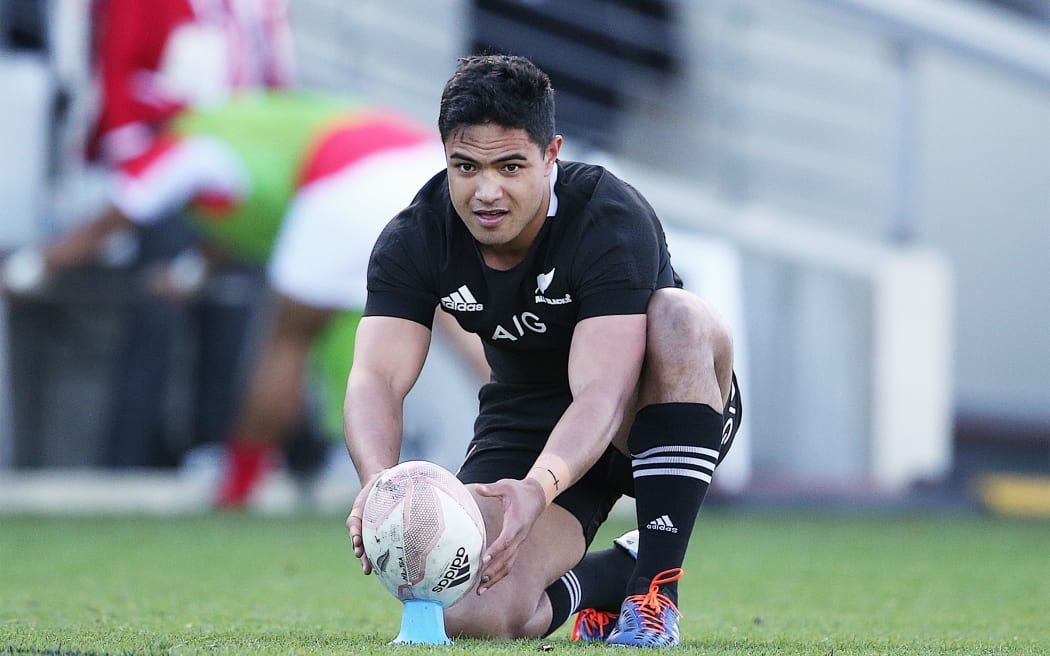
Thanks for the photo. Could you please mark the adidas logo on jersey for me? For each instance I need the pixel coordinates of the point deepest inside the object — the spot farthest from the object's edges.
(458, 572)
(462, 300)
(663, 523)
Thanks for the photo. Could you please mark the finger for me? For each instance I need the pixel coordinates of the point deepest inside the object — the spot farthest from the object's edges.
(353, 526)
(500, 488)
(508, 539)
(485, 574)
(497, 563)
(495, 572)
(353, 522)
(493, 552)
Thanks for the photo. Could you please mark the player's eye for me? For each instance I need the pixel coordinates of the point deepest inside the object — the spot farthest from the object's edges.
(512, 168)
(465, 167)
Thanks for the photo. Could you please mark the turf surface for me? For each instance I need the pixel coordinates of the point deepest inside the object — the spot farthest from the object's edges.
(756, 583)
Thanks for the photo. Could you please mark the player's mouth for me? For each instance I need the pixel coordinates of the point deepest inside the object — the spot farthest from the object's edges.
(490, 218)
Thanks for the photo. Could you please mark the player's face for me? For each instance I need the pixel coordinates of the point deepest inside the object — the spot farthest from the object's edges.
(499, 181)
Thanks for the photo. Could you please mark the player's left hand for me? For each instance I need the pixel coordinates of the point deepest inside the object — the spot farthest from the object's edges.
(522, 502)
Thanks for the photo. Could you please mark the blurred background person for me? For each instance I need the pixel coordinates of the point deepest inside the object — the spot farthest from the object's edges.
(151, 61)
(300, 184)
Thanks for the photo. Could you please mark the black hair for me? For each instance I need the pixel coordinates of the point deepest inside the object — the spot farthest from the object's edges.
(504, 90)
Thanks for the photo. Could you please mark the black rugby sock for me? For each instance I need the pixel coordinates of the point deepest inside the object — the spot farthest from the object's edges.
(598, 581)
(675, 448)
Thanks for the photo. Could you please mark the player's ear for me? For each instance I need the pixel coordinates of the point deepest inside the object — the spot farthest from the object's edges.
(550, 154)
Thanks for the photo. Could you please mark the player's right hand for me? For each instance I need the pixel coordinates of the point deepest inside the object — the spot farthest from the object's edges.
(353, 523)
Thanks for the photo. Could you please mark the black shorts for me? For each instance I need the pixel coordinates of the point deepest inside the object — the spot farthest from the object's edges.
(510, 454)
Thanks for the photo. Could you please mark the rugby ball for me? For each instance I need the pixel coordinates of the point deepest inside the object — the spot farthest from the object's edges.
(423, 533)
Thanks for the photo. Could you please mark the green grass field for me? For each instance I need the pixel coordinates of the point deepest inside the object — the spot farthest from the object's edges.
(756, 583)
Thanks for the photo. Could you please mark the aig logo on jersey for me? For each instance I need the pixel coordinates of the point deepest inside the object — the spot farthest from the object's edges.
(462, 300)
(543, 281)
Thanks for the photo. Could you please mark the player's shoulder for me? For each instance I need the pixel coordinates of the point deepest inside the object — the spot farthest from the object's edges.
(594, 187)
(577, 181)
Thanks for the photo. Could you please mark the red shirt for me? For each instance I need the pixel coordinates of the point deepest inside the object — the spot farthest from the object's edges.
(132, 38)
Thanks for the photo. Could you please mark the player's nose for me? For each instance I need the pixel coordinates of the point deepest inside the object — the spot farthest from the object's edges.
(489, 188)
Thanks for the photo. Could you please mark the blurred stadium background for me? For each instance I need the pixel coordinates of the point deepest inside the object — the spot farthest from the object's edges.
(862, 185)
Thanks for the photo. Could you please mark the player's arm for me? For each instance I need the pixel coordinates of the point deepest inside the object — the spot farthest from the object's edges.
(179, 170)
(605, 361)
(388, 357)
(82, 244)
(27, 269)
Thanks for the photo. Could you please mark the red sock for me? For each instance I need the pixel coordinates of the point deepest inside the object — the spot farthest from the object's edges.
(246, 462)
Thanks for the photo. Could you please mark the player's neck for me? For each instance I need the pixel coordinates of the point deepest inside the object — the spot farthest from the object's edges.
(502, 258)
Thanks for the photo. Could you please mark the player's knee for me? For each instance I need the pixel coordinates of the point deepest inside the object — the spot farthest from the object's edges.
(681, 322)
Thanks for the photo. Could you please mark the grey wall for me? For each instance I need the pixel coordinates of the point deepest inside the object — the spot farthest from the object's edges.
(984, 198)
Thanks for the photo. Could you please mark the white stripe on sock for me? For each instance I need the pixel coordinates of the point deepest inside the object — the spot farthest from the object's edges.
(689, 473)
(698, 450)
(674, 460)
(572, 584)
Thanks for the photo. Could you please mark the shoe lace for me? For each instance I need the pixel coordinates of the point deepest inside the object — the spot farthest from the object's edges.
(653, 604)
(593, 622)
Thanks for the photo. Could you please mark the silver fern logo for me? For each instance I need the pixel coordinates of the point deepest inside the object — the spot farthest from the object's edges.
(543, 281)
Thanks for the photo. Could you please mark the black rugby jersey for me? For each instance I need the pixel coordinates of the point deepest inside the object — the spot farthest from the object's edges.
(602, 253)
